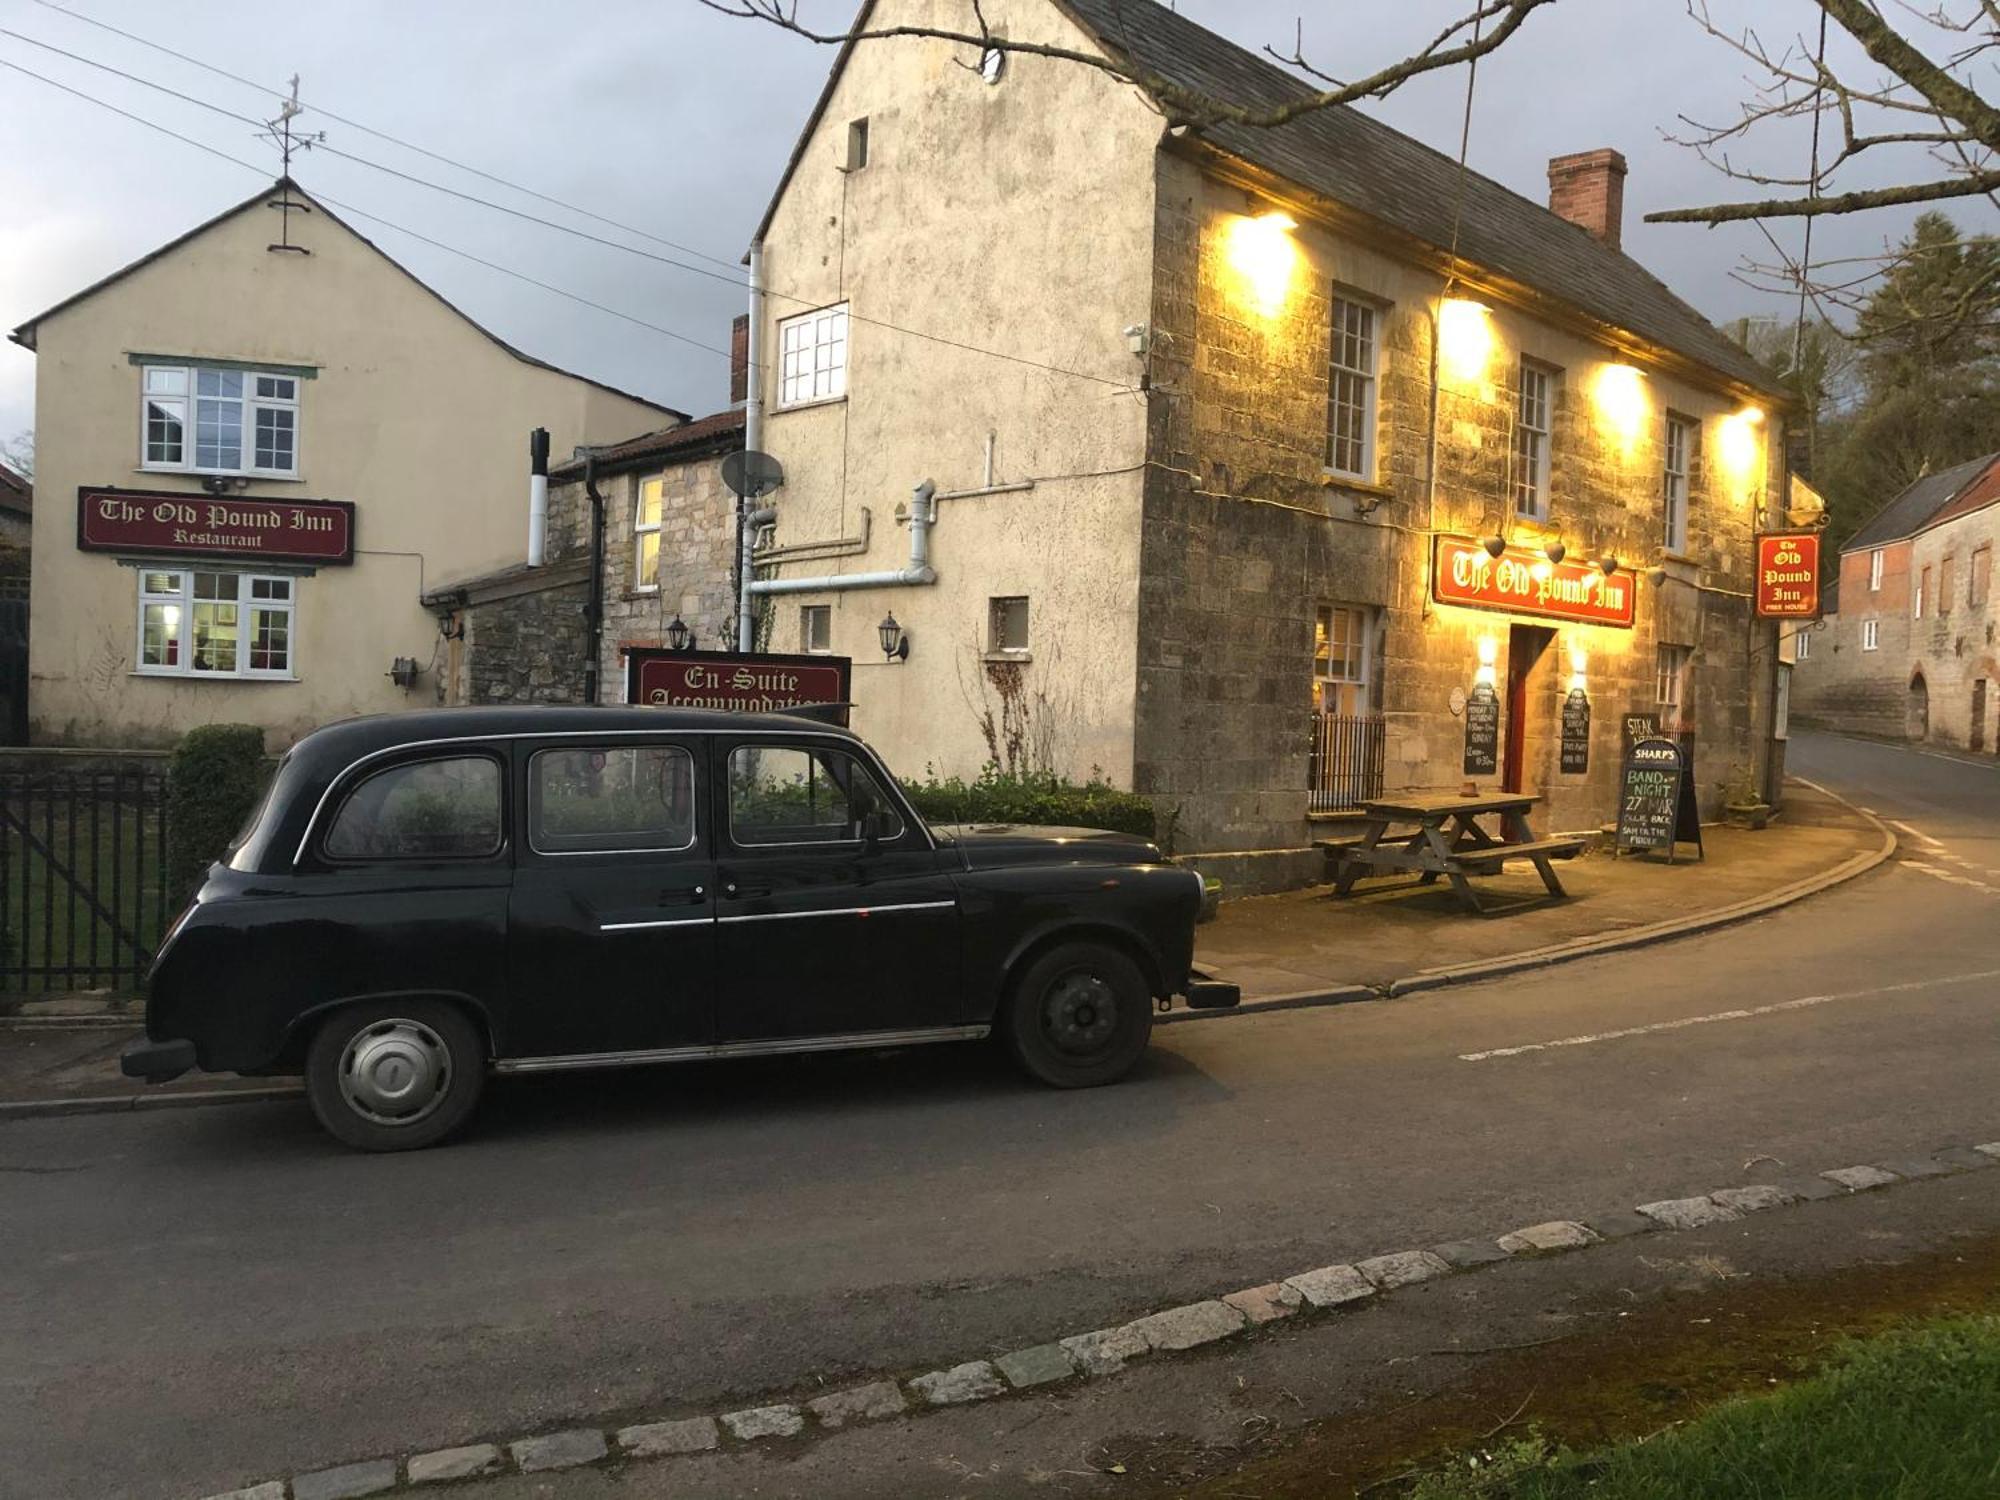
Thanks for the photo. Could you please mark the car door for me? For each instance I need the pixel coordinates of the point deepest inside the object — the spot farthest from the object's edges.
(611, 928)
(834, 911)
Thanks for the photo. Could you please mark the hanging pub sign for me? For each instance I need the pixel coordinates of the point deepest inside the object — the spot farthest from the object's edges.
(1656, 805)
(1787, 586)
(746, 681)
(1576, 733)
(1482, 731)
(153, 523)
(1522, 581)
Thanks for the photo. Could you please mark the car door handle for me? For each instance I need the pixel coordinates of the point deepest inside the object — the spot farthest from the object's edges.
(683, 895)
(747, 892)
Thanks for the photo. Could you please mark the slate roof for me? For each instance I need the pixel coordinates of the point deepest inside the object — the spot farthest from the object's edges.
(1364, 164)
(16, 493)
(1919, 505)
(719, 432)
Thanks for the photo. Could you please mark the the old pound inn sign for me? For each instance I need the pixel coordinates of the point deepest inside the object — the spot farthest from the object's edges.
(1525, 582)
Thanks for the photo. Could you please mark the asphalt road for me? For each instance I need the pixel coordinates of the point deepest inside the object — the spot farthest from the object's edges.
(193, 1300)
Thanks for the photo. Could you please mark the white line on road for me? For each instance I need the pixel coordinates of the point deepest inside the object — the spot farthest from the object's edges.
(1916, 833)
(1801, 1003)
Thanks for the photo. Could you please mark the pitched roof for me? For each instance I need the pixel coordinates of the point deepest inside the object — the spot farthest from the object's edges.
(720, 432)
(24, 335)
(1357, 161)
(16, 493)
(1919, 505)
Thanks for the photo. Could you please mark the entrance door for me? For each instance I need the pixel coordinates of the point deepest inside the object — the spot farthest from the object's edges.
(1525, 645)
(1979, 713)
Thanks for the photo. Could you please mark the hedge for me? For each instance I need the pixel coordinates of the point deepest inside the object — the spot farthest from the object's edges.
(1049, 801)
(214, 779)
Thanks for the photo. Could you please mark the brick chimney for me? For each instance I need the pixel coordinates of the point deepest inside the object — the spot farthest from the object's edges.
(739, 360)
(1588, 188)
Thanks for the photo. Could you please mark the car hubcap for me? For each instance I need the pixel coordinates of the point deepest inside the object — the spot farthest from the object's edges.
(394, 1072)
(1081, 1013)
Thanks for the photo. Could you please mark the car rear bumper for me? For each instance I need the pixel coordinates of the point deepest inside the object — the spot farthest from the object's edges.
(157, 1062)
(1204, 993)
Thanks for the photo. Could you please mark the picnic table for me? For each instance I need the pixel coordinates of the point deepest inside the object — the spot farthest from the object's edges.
(1450, 840)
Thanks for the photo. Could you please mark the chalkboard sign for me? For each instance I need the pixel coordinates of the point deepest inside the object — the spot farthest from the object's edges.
(1639, 727)
(1576, 733)
(1482, 731)
(1656, 805)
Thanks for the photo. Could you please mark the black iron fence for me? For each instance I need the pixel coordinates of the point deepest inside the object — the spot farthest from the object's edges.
(83, 892)
(1346, 761)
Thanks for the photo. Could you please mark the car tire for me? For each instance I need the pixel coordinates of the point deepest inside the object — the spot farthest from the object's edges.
(1079, 1016)
(395, 1075)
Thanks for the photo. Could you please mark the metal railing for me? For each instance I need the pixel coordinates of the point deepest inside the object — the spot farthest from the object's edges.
(83, 889)
(1345, 767)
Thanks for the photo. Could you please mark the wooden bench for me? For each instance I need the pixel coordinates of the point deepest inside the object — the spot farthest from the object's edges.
(1486, 861)
(1449, 842)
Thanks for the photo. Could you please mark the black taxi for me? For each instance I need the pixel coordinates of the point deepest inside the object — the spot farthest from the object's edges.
(428, 897)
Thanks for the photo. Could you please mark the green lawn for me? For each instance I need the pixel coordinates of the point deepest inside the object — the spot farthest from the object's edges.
(41, 923)
(1909, 1415)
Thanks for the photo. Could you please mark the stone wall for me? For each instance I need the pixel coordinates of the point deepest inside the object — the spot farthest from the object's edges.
(1842, 685)
(527, 647)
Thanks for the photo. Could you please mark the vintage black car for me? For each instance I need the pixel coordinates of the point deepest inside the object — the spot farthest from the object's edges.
(425, 897)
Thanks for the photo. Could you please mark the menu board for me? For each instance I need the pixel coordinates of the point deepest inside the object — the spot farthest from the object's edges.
(1656, 804)
(1576, 733)
(1482, 731)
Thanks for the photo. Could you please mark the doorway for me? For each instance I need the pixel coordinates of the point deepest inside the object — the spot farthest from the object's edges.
(1525, 646)
(1917, 712)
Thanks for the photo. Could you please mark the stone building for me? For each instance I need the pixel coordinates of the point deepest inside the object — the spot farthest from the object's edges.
(1910, 650)
(17, 512)
(1219, 423)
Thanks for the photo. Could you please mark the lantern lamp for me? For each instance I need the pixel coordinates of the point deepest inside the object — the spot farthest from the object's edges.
(895, 640)
(679, 637)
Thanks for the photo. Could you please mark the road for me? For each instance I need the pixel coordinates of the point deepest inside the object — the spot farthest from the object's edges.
(199, 1299)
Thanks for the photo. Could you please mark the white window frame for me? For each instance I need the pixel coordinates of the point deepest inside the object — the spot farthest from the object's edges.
(1674, 481)
(813, 351)
(1353, 378)
(1802, 645)
(1670, 678)
(180, 597)
(1871, 635)
(1875, 571)
(1355, 668)
(1917, 593)
(1535, 398)
(186, 400)
(641, 530)
(994, 647)
(811, 616)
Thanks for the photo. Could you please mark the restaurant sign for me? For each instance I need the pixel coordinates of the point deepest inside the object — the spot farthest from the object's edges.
(1788, 575)
(233, 527)
(1522, 581)
(747, 681)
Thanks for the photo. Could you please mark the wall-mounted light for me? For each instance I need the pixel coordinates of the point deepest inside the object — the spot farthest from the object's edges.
(895, 640)
(679, 637)
(1495, 545)
(1656, 576)
(1579, 663)
(1264, 256)
(1489, 654)
(1554, 550)
(1465, 339)
(1619, 394)
(1607, 565)
(1737, 446)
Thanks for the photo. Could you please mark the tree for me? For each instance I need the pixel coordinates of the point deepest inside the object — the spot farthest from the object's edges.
(18, 452)
(1816, 362)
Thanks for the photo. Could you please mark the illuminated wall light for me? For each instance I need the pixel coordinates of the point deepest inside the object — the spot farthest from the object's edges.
(1579, 669)
(1737, 448)
(1489, 653)
(1620, 396)
(1465, 340)
(1264, 257)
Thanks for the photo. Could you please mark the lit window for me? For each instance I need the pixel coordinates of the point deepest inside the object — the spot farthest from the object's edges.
(816, 627)
(1340, 659)
(1675, 483)
(1350, 396)
(243, 421)
(1871, 634)
(1804, 646)
(206, 623)
(1875, 570)
(1007, 626)
(1531, 443)
(1670, 680)
(812, 357)
(646, 534)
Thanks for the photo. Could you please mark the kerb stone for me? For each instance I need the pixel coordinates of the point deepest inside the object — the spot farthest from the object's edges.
(1546, 1239)
(271, 1489)
(1402, 1268)
(1860, 1179)
(348, 1482)
(1963, 1158)
(865, 1403)
(1619, 1224)
(1754, 1198)
(663, 1439)
(975, 1380)
(1688, 1213)
(1041, 1365)
(764, 1422)
(1188, 1327)
(1105, 1351)
(454, 1463)
(1261, 1304)
(1464, 1255)
(558, 1450)
(1329, 1286)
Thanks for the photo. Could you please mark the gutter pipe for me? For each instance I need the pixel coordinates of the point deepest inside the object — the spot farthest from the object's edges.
(748, 521)
(538, 496)
(923, 515)
(593, 611)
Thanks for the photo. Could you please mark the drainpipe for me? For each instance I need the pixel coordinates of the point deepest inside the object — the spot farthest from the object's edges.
(593, 612)
(748, 521)
(538, 495)
(923, 515)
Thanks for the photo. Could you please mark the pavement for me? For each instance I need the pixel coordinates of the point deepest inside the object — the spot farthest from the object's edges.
(202, 1299)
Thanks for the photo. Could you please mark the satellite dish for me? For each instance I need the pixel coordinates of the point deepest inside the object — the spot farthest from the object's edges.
(752, 474)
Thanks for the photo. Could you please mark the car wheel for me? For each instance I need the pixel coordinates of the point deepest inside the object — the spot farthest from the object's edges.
(395, 1075)
(1079, 1016)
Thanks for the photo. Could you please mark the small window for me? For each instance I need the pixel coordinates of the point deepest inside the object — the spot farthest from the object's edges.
(1674, 483)
(1917, 598)
(857, 144)
(1871, 634)
(1340, 659)
(812, 357)
(1944, 600)
(1350, 394)
(1979, 579)
(1007, 626)
(993, 64)
(1804, 643)
(1670, 681)
(816, 627)
(787, 794)
(1875, 570)
(622, 798)
(1531, 442)
(646, 534)
(434, 809)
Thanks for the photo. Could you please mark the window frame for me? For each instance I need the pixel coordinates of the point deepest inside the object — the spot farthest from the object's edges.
(1944, 581)
(1369, 379)
(809, 613)
(726, 792)
(1802, 644)
(640, 531)
(1917, 594)
(1670, 667)
(995, 603)
(248, 606)
(1871, 635)
(838, 372)
(1875, 571)
(1542, 439)
(323, 831)
(532, 801)
(250, 406)
(1675, 482)
(1979, 576)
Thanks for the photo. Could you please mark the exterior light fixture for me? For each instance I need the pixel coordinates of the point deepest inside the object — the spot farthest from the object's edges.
(1263, 257)
(1464, 339)
(895, 640)
(1619, 392)
(1495, 545)
(1656, 576)
(1607, 565)
(1554, 550)
(1752, 414)
(679, 637)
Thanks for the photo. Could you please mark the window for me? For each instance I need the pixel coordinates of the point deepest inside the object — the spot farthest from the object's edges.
(1875, 570)
(1350, 395)
(1804, 643)
(1871, 634)
(1531, 443)
(1944, 585)
(1917, 598)
(857, 144)
(215, 624)
(1979, 581)
(646, 534)
(1007, 626)
(787, 794)
(623, 798)
(1340, 659)
(816, 627)
(812, 357)
(244, 421)
(1670, 682)
(433, 809)
(1675, 483)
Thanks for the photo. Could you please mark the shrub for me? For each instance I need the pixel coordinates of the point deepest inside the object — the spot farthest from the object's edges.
(1032, 797)
(214, 779)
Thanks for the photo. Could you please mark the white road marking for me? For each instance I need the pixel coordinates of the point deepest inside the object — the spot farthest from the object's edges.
(1915, 833)
(1802, 1003)
(1950, 877)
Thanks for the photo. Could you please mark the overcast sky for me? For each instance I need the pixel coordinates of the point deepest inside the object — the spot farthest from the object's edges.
(670, 118)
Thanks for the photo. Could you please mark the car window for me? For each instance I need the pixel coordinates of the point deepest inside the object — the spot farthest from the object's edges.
(430, 809)
(610, 798)
(788, 794)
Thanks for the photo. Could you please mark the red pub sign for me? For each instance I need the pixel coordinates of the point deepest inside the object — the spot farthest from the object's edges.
(1788, 575)
(231, 526)
(744, 681)
(1522, 581)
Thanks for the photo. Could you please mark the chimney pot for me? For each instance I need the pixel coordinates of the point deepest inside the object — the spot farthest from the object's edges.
(1588, 189)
